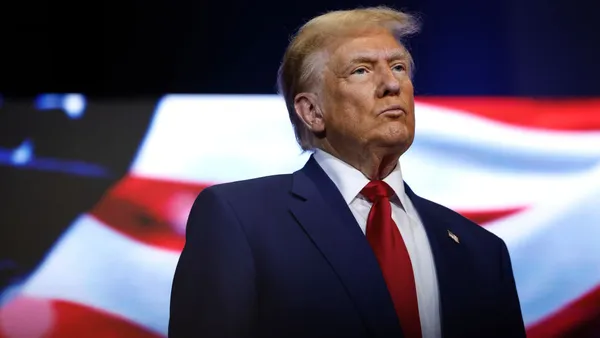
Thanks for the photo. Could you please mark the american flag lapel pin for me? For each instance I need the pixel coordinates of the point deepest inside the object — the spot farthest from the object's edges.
(453, 236)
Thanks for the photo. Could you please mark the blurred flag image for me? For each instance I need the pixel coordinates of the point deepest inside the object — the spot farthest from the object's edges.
(527, 170)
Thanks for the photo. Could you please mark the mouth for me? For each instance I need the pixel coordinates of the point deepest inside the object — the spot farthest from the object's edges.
(393, 111)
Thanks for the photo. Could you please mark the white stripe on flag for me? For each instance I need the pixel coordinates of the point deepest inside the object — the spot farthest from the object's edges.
(96, 266)
(554, 247)
(218, 138)
(459, 160)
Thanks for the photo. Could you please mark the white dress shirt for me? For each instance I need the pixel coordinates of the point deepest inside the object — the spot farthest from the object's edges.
(350, 182)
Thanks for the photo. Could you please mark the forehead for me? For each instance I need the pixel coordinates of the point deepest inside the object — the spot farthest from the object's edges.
(375, 46)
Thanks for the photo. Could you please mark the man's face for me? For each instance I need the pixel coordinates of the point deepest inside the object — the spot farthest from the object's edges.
(367, 95)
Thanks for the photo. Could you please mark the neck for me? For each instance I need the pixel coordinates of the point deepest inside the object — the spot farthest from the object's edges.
(375, 164)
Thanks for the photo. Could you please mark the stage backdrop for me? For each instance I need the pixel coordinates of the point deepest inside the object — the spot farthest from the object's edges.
(95, 196)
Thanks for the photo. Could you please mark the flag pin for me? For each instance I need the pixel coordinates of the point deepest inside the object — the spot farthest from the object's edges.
(453, 236)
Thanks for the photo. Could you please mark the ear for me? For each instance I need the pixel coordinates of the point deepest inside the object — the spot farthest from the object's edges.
(309, 111)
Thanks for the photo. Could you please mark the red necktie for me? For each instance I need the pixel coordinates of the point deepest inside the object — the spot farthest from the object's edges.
(393, 258)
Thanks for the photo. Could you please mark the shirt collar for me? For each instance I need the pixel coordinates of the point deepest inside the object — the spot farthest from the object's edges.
(350, 181)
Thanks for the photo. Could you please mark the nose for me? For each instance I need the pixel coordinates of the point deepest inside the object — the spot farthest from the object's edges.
(389, 85)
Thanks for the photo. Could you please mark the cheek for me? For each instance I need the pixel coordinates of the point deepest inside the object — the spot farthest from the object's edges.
(352, 106)
(407, 87)
(408, 97)
(359, 113)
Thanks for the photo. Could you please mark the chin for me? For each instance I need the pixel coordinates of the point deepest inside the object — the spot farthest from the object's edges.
(400, 144)
(394, 138)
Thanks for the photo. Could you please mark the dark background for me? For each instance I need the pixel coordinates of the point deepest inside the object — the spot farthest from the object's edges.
(148, 48)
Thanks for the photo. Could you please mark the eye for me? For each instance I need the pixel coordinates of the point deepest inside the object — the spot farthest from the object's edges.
(359, 71)
(399, 67)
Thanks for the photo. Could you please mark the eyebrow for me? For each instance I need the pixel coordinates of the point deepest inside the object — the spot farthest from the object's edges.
(371, 57)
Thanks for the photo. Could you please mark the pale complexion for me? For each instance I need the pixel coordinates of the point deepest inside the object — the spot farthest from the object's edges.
(363, 112)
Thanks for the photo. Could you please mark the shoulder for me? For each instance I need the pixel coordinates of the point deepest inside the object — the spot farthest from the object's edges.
(238, 205)
(249, 191)
(486, 250)
(466, 229)
(253, 185)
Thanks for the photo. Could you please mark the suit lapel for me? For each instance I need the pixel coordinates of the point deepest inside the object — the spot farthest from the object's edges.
(321, 210)
(450, 259)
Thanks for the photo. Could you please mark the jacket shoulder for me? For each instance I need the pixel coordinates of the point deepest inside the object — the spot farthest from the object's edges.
(253, 188)
(460, 223)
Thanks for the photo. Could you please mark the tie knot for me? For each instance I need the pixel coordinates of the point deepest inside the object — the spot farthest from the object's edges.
(376, 190)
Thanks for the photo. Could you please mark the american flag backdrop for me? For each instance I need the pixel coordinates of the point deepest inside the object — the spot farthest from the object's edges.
(528, 170)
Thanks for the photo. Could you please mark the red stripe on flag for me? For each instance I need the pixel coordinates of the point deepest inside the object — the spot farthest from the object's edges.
(482, 217)
(154, 211)
(580, 318)
(37, 317)
(553, 114)
(149, 210)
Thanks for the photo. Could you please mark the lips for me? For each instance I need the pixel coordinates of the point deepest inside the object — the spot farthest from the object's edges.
(395, 110)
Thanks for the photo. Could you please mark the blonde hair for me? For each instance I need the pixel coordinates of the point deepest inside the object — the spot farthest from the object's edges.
(303, 57)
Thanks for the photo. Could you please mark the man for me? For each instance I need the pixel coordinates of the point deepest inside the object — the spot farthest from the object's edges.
(342, 247)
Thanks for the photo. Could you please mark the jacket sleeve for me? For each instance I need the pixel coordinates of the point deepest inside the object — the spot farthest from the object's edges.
(214, 290)
(511, 318)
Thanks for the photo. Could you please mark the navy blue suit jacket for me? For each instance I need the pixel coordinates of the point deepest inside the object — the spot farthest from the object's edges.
(282, 256)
